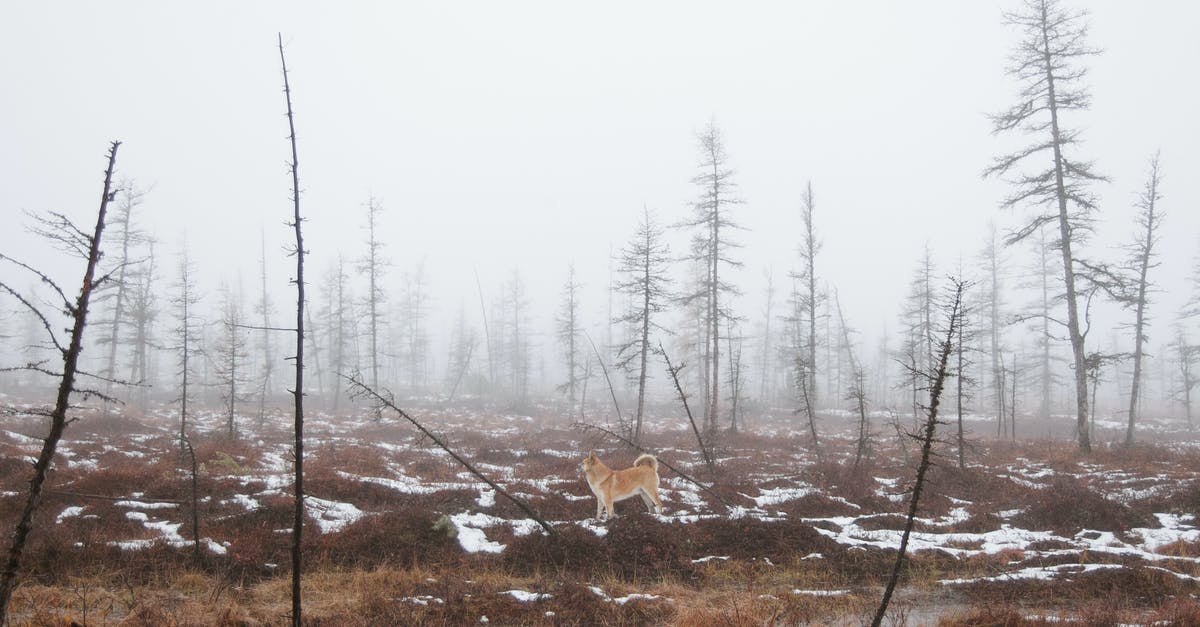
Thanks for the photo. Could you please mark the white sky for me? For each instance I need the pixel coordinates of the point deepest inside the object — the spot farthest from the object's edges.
(530, 134)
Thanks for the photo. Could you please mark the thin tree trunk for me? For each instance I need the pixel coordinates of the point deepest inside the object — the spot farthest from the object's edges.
(298, 393)
(931, 422)
(58, 416)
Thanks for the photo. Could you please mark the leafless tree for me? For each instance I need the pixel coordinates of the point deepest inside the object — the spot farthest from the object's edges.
(298, 392)
(993, 261)
(568, 331)
(120, 290)
(462, 348)
(1142, 258)
(77, 242)
(414, 306)
(338, 327)
(143, 313)
(373, 265)
(231, 356)
(937, 380)
(643, 264)
(265, 308)
(1046, 175)
(1187, 364)
(807, 298)
(856, 392)
(186, 335)
(711, 248)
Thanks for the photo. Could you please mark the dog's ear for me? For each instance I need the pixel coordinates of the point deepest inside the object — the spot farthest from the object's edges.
(592, 455)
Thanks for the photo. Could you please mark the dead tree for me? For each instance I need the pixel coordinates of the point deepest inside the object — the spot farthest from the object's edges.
(231, 356)
(1142, 259)
(186, 336)
(128, 237)
(568, 332)
(807, 298)
(372, 264)
(143, 311)
(711, 246)
(298, 392)
(1045, 174)
(1186, 356)
(937, 380)
(80, 243)
(265, 308)
(643, 263)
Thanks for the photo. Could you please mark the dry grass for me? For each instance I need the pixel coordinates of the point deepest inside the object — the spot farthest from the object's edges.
(393, 566)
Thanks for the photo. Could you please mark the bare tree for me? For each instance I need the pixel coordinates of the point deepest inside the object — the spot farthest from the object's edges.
(265, 308)
(1141, 259)
(711, 247)
(1187, 363)
(128, 237)
(568, 331)
(338, 327)
(937, 379)
(298, 392)
(80, 243)
(231, 356)
(414, 306)
(993, 261)
(143, 313)
(643, 263)
(186, 335)
(462, 348)
(373, 265)
(807, 299)
(857, 390)
(1045, 174)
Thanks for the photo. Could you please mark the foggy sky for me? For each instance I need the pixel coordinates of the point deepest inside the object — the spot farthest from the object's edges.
(530, 135)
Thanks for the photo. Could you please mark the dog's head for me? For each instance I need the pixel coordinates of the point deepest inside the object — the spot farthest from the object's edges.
(589, 462)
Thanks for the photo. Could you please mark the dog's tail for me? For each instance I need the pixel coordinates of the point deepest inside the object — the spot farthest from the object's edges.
(648, 459)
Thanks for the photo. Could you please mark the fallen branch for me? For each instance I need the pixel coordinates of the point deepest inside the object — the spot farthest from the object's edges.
(613, 392)
(708, 460)
(358, 388)
(635, 446)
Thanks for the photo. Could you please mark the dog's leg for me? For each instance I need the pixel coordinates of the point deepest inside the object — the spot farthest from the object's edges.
(608, 504)
(599, 507)
(646, 499)
(654, 496)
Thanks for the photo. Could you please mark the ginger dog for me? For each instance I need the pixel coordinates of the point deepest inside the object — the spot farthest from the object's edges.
(617, 485)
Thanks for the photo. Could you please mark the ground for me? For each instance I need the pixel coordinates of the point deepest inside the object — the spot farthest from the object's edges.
(1026, 533)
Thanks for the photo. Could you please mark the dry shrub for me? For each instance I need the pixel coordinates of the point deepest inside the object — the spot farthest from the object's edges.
(991, 616)
(406, 537)
(749, 538)
(855, 485)
(1067, 506)
(641, 547)
(815, 506)
(572, 550)
(1130, 587)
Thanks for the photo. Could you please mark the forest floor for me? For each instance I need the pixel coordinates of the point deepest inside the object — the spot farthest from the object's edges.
(1026, 533)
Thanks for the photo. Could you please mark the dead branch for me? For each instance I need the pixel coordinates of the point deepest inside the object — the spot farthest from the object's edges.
(611, 391)
(708, 460)
(358, 388)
